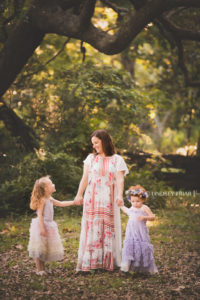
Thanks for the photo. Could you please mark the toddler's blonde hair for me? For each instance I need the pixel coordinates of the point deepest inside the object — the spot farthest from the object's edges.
(38, 192)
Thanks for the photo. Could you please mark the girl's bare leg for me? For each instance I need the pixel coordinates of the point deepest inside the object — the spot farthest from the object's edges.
(39, 265)
(42, 266)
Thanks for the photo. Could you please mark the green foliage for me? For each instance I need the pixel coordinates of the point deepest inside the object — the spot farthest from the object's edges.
(146, 177)
(64, 106)
(15, 193)
(65, 100)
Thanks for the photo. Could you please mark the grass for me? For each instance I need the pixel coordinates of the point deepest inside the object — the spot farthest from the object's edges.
(174, 234)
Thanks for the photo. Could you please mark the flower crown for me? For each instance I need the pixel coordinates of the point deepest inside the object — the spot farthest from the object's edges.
(136, 192)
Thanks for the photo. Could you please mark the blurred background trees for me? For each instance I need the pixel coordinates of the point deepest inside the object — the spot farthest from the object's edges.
(147, 97)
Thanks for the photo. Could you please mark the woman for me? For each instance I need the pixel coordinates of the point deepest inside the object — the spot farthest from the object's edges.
(103, 175)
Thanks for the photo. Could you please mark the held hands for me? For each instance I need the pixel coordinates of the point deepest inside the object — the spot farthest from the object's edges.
(120, 201)
(78, 200)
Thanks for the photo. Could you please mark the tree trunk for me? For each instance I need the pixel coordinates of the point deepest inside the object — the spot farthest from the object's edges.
(128, 63)
(198, 147)
(17, 50)
(18, 128)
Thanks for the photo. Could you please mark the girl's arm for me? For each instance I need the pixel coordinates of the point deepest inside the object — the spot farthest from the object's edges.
(82, 186)
(150, 216)
(120, 187)
(125, 210)
(41, 219)
(62, 203)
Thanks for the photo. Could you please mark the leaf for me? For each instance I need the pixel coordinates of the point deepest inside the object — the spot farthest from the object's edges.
(20, 247)
(13, 228)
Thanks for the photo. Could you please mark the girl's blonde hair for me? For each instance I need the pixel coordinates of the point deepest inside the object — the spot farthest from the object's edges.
(38, 192)
(142, 193)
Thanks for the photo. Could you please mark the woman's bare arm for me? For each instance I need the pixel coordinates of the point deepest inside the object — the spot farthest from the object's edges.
(82, 185)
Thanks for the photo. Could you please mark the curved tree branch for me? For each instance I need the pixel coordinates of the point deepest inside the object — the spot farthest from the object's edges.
(179, 32)
(53, 19)
(182, 65)
(60, 22)
(67, 4)
(64, 23)
(18, 48)
(74, 21)
(176, 35)
(17, 127)
(115, 7)
(138, 3)
(167, 35)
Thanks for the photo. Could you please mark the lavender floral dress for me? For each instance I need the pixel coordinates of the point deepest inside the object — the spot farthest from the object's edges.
(137, 252)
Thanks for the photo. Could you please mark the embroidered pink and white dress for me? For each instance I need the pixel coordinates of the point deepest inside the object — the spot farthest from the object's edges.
(100, 239)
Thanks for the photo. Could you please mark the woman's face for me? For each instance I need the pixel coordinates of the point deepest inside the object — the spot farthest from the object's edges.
(136, 201)
(97, 144)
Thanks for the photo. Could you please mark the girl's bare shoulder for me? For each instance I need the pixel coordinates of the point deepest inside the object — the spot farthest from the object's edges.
(145, 207)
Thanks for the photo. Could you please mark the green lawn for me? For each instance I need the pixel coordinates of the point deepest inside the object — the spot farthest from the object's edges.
(174, 234)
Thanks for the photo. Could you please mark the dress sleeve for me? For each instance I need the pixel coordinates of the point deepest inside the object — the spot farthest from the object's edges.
(121, 165)
(88, 160)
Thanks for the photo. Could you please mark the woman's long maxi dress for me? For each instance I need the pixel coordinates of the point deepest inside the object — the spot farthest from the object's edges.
(100, 239)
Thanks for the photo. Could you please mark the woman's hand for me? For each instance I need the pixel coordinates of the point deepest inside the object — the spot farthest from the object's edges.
(120, 201)
(78, 200)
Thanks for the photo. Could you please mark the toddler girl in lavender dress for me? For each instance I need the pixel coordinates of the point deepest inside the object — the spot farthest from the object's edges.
(45, 243)
(137, 252)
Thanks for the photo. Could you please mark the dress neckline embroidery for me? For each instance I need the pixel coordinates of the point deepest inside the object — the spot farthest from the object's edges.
(105, 156)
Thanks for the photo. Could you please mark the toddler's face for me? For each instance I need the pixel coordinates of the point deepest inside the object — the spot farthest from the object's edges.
(136, 201)
(50, 187)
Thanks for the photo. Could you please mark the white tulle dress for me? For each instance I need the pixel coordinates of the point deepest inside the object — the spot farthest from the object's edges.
(45, 248)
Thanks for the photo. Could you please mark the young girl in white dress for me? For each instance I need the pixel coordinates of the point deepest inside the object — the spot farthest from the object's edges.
(45, 243)
(137, 252)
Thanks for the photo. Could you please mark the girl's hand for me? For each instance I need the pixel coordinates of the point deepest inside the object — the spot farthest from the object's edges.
(141, 218)
(120, 201)
(43, 232)
(78, 200)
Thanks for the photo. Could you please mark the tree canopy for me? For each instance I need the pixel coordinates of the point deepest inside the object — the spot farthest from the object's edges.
(25, 23)
(70, 67)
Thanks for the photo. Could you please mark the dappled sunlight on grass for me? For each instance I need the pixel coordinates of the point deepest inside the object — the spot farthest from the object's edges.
(174, 235)
(154, 223)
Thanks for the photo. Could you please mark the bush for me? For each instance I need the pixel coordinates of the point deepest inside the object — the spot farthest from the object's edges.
(145, 176)
(63, 169)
